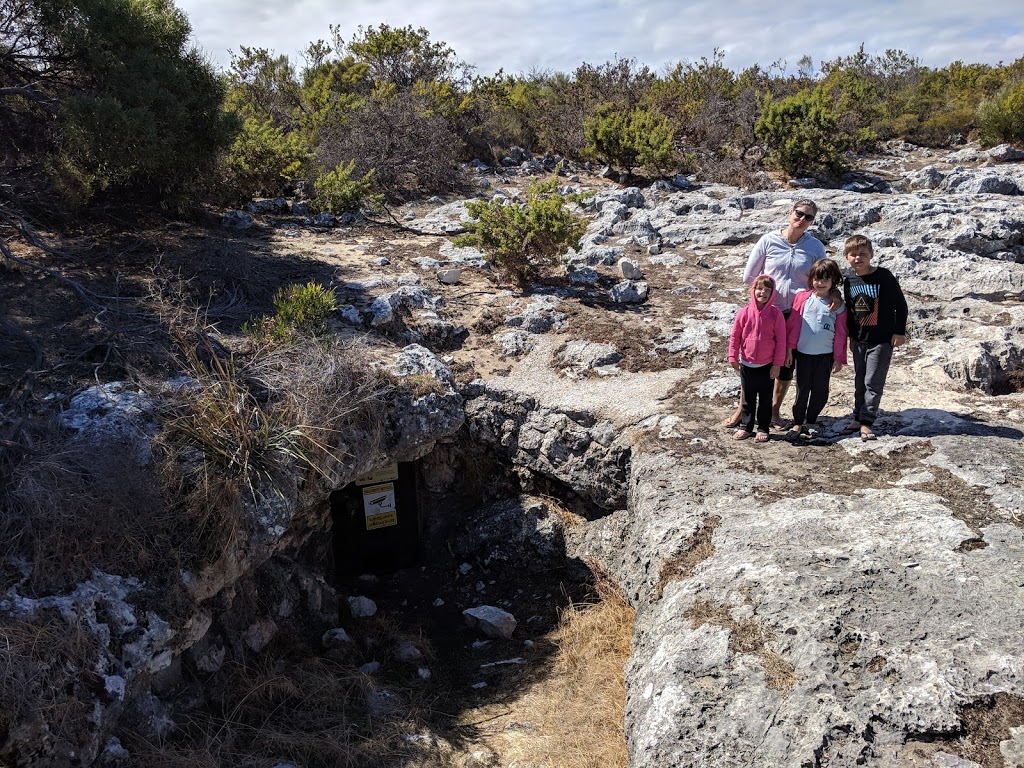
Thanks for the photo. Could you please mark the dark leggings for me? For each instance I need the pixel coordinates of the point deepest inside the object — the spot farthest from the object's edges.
(757, 397)
(812, 378)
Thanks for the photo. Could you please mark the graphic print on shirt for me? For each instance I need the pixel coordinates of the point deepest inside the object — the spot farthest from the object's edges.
(865, 302)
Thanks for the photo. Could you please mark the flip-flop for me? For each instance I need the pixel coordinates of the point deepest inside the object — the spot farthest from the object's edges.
(866, 434)
(794, 435)
(850, 429)
(729, 423)
(762, 437)
(742, 434)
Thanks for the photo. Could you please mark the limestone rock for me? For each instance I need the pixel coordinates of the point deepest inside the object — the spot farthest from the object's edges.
(491, 621)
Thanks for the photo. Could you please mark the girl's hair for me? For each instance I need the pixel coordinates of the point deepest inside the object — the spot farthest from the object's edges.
(824, 269)
(813, 205)
(764, 280)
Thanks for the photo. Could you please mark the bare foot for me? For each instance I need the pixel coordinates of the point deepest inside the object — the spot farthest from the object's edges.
(731, 421)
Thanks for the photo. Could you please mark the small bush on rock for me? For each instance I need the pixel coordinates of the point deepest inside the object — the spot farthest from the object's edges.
(519, 240)
(300, 309)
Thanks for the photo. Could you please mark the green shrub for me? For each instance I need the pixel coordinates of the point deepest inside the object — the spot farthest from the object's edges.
(302, 309)
(338, 192)
(139, 109)
(630, 139)
(1001, 118)
(802, 136)
(263, 159)
(519, 240)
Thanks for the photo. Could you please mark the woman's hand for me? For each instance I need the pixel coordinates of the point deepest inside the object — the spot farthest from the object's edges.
(774, 372)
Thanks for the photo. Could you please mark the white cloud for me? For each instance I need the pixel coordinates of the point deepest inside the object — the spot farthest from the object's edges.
(518, 35)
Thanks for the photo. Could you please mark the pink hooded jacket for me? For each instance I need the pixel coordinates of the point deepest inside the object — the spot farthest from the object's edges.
(759, 335)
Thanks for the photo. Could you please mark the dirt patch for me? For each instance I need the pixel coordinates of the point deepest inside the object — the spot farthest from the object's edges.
(746, 636)
(984, 724)
(698, 548)
(967, 502)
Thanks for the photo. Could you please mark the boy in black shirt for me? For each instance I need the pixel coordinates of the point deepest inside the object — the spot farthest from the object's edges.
(876, 313)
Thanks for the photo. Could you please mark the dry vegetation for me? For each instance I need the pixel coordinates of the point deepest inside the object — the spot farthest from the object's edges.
(237, 425)
(40, 682)
(573, 718)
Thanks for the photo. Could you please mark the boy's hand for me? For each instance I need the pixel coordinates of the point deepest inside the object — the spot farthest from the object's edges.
(836, 301)
(774, 372)
(735, 366)
(898, 340)
(789, 358)
(837, 367)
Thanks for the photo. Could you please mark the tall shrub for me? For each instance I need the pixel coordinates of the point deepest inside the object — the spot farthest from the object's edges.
(630, 139)
(1001, 118)
(801, 135)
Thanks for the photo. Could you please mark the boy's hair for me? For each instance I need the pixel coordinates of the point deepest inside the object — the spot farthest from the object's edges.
(825, 269)
(855, 241)
(764, 280)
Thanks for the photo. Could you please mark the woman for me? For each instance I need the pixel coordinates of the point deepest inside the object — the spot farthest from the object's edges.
(785, 256)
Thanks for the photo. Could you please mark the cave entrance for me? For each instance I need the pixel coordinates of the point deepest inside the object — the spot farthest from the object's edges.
(376, 521)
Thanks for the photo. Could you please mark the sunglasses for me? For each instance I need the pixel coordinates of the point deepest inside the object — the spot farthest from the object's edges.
(802, 215)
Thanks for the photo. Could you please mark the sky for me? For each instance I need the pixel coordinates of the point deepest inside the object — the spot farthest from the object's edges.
(558, 35)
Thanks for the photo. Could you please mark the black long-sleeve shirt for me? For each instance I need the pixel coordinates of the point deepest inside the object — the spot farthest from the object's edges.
(876, 308)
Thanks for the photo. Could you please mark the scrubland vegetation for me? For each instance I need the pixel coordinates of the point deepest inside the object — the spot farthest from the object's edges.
(105, 98)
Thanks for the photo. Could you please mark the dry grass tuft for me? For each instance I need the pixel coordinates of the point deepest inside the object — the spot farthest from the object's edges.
(747, 636)
(698, 549)
(42, 678)
(576, 714)
(69, 509)
(251, 425)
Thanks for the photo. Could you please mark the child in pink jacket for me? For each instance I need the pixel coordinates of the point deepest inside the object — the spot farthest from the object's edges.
(757, 349)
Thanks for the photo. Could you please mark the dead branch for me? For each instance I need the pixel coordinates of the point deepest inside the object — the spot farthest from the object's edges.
(32, 95)
(32, 238)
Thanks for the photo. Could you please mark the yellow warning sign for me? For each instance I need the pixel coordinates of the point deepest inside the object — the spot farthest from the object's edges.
(379, 475)
(379, 506)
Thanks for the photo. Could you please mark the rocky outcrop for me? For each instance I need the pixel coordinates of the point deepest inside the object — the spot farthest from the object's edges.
(124, 645)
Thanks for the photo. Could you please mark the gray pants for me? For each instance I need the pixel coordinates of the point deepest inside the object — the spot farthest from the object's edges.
(870, 367)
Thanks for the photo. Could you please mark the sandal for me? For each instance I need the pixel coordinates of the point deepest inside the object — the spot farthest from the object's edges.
(730, 423)
(762, 437)
(794, 435)
(851, 429)
(742, 434)
(866, 434)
